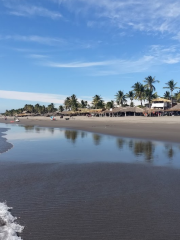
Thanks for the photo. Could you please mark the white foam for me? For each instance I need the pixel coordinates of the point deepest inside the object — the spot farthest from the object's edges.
(9, 228)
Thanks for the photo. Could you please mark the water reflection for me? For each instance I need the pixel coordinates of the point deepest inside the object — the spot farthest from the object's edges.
(38, 129)
(170, 152)
(144, 148)
(83, 134)
(132, 150)
(51, 130)
(120, 143)
(138, 147)
(130, 144)
(71, 134)
(97, 139)
(28, 128)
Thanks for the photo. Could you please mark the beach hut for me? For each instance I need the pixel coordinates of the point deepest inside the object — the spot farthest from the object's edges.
(83, 112)
(132, 111)
(123, 111)
(161, 103)
(153, 112)
(175, 109)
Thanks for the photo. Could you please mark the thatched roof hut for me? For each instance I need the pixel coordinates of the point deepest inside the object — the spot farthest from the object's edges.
(176, 108)
(125, 109)
(152, 110)
(161, 100)
(82, 111)
(23, 115)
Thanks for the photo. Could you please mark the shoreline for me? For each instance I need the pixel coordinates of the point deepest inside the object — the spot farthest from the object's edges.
(5, 145)
(93, 199)
(164, 129)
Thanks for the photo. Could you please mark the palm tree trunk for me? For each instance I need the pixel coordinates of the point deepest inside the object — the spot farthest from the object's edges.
(171, 99)
(149, 106)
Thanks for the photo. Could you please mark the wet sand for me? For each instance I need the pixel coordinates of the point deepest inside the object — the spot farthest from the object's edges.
(4, 145)
(93, 201)
(154, 128)
(106, 201)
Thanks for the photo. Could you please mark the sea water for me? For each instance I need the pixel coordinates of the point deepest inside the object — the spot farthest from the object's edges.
(53, 145)
(8, 225)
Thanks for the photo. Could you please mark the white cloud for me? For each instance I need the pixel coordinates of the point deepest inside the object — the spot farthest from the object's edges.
(156, 55)
(77, 64)
(149, 16)
(37, 56)
(27, 10)
(35, 39)
(45, 98)
(34, 97)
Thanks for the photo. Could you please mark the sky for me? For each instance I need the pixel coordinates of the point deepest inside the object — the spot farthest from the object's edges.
(51, 49)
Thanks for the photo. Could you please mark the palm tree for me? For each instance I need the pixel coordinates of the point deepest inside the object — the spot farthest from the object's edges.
(110, 104)
(171, 85)
(167, 95)
(30, 108)
(149, 83)
(67, 103)
(177, 96)
(139, 90)
(74, 102)
(83, 104)
(149, 95)
(51, 107)
(120, 98)
(36, 107)
(130, 95)
(43, 109)
(61, 108)
(97, 101)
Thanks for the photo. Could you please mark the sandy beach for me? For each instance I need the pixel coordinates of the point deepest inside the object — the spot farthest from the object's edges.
(84, 201)
(92, 200)
(154, 128)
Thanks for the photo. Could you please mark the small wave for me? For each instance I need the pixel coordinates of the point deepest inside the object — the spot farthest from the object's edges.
(9, 229)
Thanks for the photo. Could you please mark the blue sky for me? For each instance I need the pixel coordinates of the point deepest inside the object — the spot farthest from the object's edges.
(51, 49)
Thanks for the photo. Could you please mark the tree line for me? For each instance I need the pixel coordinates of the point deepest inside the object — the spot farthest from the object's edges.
(142, 92)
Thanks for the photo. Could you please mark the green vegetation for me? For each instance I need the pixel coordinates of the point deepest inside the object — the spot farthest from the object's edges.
(171, 85)
(140, 92)
(120, 98)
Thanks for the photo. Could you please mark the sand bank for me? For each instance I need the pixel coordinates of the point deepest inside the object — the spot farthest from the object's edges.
(154, 128)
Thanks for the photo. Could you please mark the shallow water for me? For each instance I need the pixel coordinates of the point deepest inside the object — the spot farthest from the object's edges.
(73, 185)
(49, 145)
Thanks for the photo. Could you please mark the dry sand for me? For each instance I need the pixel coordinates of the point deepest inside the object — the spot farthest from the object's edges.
(154, 128)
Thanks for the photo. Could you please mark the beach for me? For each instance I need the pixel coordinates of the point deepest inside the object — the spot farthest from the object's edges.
(154, 128)
(88, 190)
(5, 146)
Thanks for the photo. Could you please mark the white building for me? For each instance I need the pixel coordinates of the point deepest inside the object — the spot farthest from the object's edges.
(161, 103)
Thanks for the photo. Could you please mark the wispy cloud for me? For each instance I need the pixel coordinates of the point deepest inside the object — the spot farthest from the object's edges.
(111, 67)
(37, 56)
(155, 56)
(27, 10)
(77, 64)
(34, 38)
(33, 97)
(149, 16)
(38, 97)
